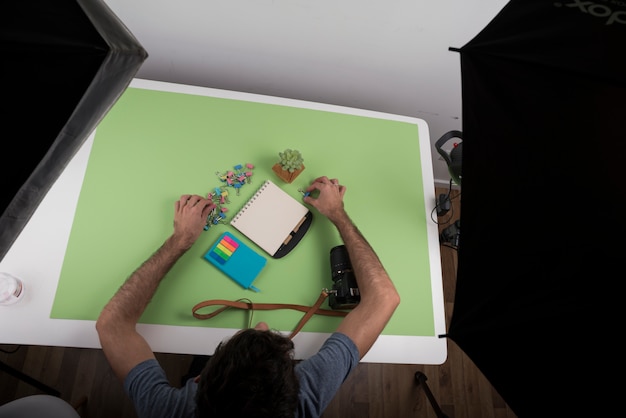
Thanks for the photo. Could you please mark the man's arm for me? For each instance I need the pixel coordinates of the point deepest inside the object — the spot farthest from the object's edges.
(123, 346)
(379, 298)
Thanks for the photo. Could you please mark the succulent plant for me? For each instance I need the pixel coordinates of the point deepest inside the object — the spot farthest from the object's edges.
(290, 160)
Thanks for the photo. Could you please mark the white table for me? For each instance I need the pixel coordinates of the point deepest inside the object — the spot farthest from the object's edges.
(37, 256)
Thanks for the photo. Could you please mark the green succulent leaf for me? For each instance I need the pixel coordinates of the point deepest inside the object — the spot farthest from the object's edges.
(290, 160)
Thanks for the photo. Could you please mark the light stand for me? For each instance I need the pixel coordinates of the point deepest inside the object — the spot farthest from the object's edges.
(420, 378)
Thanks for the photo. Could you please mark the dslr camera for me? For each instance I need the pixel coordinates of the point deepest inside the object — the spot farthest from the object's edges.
(345, 292)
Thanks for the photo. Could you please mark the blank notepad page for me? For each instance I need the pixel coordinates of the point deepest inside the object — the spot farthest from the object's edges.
(269, 217)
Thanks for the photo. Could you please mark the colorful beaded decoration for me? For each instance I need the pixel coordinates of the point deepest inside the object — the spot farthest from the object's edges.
(236, 178)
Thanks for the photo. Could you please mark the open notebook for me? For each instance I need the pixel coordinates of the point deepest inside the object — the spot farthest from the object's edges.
(273, 220)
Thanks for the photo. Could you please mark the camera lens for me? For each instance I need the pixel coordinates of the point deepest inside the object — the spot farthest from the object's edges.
(339, 261)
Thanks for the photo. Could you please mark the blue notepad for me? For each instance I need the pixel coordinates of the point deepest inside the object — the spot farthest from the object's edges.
(236, 259)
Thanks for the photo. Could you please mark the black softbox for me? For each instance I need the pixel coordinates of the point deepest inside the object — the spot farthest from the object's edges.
(541, 251)
(64, 64)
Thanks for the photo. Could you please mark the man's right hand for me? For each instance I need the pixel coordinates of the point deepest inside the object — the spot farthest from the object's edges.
(190, 214)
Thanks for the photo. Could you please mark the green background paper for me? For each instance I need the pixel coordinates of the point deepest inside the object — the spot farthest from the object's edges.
(154, 146)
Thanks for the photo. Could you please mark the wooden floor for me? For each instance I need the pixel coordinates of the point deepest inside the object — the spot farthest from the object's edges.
(372, 391)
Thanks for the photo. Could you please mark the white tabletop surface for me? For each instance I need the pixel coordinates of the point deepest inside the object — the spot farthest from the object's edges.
(37, 256)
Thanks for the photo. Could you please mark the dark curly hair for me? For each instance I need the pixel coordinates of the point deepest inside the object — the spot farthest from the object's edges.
(251, 375)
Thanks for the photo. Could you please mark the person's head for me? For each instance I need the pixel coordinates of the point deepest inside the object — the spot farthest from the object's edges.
(251, 375)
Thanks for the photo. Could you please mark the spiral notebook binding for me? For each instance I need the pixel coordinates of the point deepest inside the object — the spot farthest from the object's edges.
(271, 219)
(249, 202)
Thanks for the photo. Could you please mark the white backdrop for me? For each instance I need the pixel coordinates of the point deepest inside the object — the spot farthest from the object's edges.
(390, 56)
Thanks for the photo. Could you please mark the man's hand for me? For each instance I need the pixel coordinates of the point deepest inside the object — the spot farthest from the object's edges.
(190, 216)
(330, 200)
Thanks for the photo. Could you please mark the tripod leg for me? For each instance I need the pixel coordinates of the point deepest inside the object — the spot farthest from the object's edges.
(420, 378)
(31, 381)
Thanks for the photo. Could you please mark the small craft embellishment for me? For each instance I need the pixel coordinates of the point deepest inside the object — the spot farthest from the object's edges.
(236, 178)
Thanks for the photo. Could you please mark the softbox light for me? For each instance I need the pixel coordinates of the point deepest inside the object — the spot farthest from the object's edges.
(541, 253)
(65, 63)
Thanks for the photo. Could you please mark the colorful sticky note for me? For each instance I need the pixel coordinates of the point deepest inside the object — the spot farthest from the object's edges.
(236, 260)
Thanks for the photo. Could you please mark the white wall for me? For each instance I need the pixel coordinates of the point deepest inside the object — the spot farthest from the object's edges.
(385, 55)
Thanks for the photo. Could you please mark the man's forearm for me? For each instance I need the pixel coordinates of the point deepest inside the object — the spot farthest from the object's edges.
(130, 301)
(379, 298)
(123, 346)
(367, 267)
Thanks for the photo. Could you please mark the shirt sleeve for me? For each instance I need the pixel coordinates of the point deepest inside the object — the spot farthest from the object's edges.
(322, 374)
(152, 395)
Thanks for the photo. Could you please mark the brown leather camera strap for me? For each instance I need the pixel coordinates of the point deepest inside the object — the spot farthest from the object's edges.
(309, 311)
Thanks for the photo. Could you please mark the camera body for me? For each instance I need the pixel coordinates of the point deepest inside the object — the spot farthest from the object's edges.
(345, 292)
